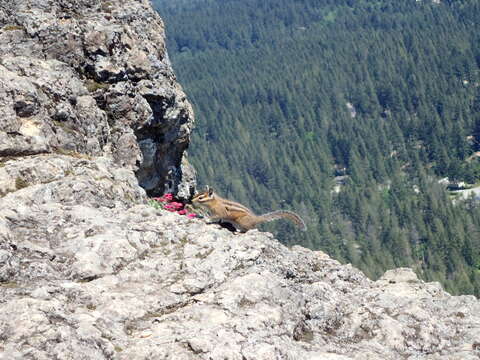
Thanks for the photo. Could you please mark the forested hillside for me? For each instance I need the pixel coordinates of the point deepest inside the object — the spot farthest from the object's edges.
(346, 111)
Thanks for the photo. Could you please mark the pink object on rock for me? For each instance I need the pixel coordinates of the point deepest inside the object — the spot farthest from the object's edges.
(169, 207)
(176, 205)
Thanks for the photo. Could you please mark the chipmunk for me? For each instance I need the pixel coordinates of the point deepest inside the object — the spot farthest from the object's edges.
(241, 217)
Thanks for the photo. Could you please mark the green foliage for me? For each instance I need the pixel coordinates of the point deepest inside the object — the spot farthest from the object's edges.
(376, 99)
(155, 204)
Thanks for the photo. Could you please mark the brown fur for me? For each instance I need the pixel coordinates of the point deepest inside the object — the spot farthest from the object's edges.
(238, 215)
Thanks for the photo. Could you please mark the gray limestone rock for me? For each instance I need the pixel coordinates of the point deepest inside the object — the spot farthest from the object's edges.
(92, 77)
(89, 270)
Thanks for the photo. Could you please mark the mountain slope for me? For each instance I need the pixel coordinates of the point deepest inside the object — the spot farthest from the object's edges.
(89, 270)
(347, 112)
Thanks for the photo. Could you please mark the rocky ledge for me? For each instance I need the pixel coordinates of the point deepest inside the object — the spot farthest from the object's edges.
(89, 108)
(89, 271)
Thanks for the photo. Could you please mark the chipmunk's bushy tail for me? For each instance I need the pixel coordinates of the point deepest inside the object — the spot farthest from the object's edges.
(284, 214)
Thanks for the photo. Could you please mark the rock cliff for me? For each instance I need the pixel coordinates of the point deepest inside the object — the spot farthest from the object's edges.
(93, 77)
(89, 108)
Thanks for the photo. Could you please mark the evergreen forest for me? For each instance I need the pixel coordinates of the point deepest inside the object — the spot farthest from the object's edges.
(349, 112)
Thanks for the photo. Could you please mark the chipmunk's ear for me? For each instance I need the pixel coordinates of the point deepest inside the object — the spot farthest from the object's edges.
(210, 191)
